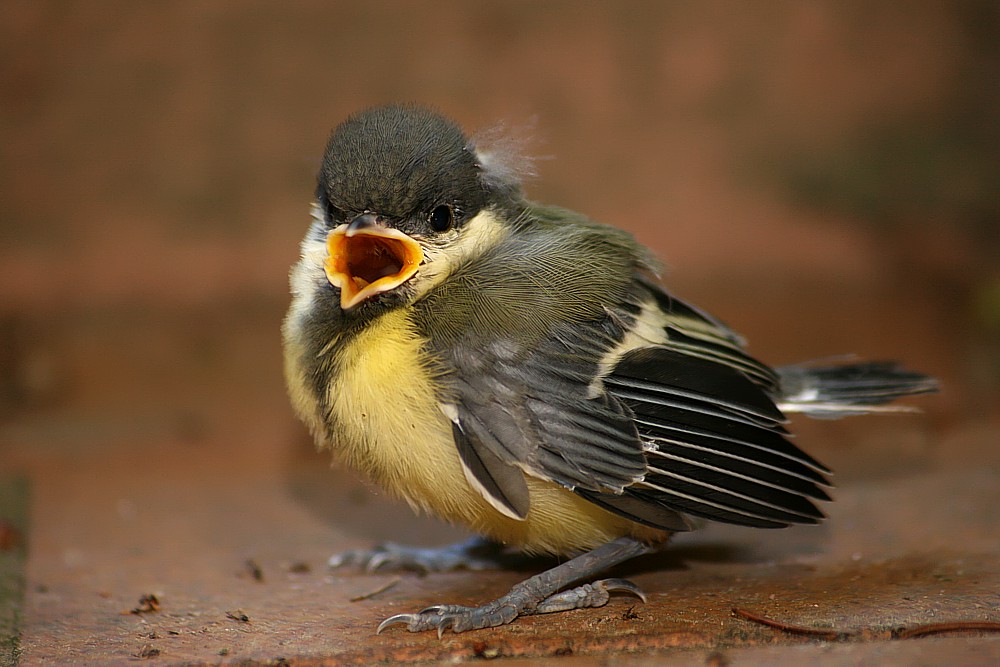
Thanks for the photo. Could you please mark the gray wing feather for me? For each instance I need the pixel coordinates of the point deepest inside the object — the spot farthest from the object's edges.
(500, 483)
(532, 410)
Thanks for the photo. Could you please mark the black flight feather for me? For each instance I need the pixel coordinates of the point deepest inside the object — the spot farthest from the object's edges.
(715, 441)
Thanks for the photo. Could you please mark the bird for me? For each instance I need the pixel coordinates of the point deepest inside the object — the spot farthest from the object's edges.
(518, 369)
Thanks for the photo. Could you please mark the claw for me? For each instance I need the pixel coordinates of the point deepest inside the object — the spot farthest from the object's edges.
(376, 561)
(623, 585)
(403, 619)
(442, 609)
(352, 557)
(337, 560)
(439, 618)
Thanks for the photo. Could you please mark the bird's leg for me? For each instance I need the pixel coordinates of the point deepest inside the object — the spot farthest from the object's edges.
(542, 593)
(475, 553)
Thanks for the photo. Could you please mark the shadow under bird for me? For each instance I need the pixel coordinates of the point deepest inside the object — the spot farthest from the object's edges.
(516, 368)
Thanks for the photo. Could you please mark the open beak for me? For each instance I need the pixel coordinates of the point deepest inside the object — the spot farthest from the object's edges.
(367, 260)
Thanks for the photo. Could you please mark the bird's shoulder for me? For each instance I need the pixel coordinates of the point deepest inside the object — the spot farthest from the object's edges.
(554, 266)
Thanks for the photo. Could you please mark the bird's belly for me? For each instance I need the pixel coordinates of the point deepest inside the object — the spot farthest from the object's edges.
(385, 408)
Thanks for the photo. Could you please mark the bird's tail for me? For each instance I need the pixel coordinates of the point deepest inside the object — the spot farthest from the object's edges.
(829, 391)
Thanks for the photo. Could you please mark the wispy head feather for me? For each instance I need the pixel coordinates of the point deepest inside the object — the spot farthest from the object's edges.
(501, 153)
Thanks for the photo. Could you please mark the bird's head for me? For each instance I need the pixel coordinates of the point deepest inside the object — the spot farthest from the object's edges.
(403, 198)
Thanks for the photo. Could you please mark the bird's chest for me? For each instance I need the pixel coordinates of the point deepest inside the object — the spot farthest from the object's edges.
(384, 406)
(387, 423)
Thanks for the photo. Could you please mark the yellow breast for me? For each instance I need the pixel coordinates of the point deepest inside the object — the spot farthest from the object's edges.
(384, 408)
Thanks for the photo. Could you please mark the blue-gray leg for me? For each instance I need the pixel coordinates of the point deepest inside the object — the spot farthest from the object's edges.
(540, 594)
(475, 553)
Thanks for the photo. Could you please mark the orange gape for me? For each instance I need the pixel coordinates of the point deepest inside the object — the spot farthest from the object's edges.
(366, 262)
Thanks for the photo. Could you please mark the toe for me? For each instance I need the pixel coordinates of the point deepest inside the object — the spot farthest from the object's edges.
(414, 622)
(595, 594)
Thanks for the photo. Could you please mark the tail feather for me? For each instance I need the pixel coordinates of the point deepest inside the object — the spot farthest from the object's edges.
(829, 392)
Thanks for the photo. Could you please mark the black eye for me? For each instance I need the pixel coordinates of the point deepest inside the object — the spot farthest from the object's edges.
(442, 218)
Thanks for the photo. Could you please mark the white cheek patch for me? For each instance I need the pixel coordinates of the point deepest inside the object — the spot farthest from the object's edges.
(481, 232)
(307, 276)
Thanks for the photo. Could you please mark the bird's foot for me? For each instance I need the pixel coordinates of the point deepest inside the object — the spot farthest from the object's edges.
(473, 554)
(519, 602)
(595, 594)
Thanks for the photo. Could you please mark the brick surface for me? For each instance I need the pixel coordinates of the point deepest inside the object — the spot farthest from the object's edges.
(821, 177)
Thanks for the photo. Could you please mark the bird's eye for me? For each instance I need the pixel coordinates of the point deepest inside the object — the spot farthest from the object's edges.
(442, 218)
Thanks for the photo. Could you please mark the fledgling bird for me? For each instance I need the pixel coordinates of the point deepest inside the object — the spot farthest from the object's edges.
(517, 368)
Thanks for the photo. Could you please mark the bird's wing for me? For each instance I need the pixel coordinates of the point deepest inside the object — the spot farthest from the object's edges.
(715, 444)
(598, 380)
(519, 409)
(520, 328)
(682, 424)
(714, 439)
(691, 331)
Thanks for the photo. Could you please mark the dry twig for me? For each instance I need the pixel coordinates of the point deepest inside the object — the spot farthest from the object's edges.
(381, 589)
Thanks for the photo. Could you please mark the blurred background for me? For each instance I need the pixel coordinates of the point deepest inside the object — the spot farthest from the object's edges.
(824, 176)
(158, 162)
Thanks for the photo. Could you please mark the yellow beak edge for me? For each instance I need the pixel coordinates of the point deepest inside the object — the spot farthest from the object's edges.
(366, 262)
